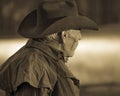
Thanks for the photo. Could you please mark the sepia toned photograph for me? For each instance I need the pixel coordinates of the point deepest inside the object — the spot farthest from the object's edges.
(59, 47)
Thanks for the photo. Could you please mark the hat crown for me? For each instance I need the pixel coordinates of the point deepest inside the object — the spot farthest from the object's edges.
(58, 8)
(54, 16)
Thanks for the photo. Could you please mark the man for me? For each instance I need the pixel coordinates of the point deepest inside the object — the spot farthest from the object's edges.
(38, 68)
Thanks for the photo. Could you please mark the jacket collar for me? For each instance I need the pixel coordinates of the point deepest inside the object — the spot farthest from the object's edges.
(46, 48)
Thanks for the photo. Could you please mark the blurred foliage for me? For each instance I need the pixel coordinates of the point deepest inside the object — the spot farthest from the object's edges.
(13, 11)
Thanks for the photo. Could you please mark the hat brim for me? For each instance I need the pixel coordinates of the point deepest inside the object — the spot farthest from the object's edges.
(29, 29)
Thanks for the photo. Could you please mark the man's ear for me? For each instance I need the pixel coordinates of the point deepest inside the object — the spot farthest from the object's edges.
(63, 36)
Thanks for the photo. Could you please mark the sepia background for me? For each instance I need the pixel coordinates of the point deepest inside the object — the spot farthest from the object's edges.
(96, 62)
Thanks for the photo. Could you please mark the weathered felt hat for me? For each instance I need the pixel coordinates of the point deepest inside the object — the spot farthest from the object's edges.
(54, 16)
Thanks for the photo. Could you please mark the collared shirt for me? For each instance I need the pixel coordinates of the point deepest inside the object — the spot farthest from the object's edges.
(41, 66)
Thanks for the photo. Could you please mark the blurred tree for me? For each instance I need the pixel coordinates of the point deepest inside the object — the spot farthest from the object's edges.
(12, 12)
(102, 11)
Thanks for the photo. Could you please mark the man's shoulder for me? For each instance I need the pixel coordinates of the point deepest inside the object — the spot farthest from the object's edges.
(25, 56)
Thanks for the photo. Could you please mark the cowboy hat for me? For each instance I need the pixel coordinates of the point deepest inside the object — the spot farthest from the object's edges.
(54, 16)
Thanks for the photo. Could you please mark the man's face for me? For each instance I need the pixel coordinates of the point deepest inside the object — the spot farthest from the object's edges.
(70, 41)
